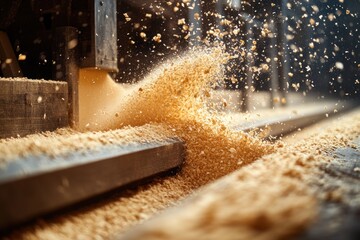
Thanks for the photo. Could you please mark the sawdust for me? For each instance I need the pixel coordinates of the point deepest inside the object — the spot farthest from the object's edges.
(172, 98)
(97, 93)
(269, 199)
(266, 200)
(24, 79)
(175, 94)
(213, 150)
(273, 198)
(66, 140)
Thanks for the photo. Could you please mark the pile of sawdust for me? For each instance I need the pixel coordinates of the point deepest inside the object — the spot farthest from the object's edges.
(269, 199)
(273, 198)
(66, 140)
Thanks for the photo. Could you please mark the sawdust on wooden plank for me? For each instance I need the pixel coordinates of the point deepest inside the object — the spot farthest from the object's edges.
(268, 199)
(66, 140)
(273, 198)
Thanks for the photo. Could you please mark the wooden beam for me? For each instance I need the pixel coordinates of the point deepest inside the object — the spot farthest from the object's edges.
(30, 106)
(35, 185)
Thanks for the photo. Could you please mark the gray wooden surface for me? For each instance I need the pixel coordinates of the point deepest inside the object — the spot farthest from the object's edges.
(38, 184)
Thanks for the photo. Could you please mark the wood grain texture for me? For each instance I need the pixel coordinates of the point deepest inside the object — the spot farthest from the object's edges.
(30, 106)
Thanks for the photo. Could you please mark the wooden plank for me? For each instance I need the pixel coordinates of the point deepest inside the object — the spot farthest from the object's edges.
(280, 125)
(27, 106)
(52, 183)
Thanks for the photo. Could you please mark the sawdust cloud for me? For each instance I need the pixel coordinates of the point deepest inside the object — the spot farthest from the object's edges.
(175, 95)
(173, 99)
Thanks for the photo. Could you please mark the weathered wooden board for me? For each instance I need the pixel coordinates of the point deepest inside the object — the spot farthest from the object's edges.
(30, 106)
(35, 185)
(281, 125)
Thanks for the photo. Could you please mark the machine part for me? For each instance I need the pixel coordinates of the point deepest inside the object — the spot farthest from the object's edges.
(9, 64)
(30, 106)
(50, 184)
(66, 67)
(101, 44)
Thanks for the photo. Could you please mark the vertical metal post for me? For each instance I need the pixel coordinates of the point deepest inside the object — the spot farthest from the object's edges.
(67, 67)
